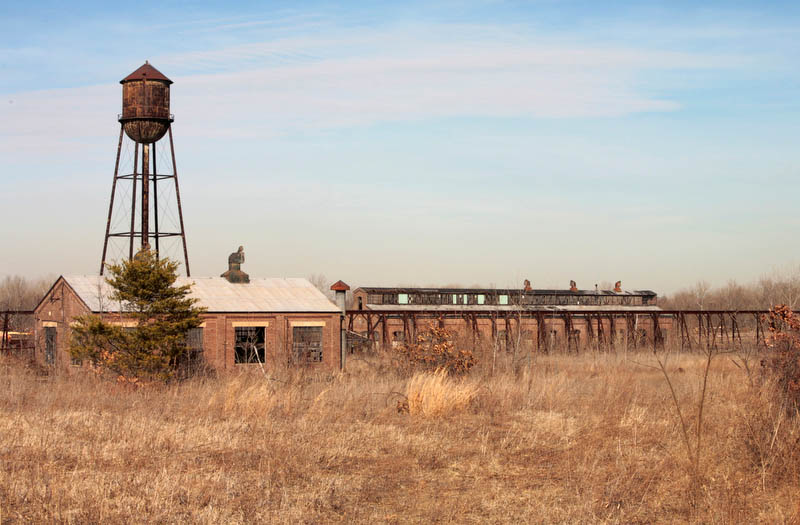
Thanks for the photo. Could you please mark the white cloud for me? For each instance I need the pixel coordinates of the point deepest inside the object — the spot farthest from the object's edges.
(321, 83)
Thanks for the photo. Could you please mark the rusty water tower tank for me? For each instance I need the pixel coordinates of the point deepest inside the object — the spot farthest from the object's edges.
(145, 104)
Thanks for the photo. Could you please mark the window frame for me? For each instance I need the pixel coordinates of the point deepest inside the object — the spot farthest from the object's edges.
(308, 351)
(241, 357)
(50, 343)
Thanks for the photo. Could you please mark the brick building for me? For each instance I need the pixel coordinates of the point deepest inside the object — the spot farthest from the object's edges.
(261, 320)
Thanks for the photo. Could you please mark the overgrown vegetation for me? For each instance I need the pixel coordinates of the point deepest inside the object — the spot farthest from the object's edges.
(574, 439)
(435, 394)
(784, 361)
(434, 349)
(150, 341)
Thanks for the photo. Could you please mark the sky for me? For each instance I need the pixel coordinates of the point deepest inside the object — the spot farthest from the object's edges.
(418, 143)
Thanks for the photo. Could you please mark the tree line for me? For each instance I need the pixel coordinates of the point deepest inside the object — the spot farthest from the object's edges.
(778, 288)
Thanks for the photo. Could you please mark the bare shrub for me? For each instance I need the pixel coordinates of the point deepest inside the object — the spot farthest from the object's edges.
(771, 438)
(784, 361)
(435, 349)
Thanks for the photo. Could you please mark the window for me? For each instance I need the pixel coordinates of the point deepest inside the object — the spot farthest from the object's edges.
(455, 299)
(402, 298)
(465, 296)
(307, 343)
(50, 344)
(194, 339)
(250, 344)
(481, 299)
(503, 299)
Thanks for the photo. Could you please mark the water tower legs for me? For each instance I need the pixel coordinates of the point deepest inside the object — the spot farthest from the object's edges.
(145, 196)
(111, 202)
(133, 197)
(178, 199)
(147, 177)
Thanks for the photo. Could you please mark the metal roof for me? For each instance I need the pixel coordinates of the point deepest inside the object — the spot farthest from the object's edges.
(501, 291)
(146, 72)
(218, 295)
(575, 308)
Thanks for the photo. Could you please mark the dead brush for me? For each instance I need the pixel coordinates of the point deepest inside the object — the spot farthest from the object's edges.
(784, 361)
(436, 394)
(770, 435)
(434, 349)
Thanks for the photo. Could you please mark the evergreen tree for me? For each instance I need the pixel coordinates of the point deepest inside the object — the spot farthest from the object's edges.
(161, 315)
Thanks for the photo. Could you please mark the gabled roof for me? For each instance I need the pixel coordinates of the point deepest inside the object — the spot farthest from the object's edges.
(340, 286)
(146, 72)
(218, 295)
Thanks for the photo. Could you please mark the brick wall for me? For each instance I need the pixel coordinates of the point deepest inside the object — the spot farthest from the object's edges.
(61, 305)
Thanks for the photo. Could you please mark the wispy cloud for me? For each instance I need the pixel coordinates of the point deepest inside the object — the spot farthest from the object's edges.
(312, 83)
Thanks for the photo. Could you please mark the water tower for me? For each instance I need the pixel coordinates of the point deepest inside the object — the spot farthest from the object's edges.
(145, 120)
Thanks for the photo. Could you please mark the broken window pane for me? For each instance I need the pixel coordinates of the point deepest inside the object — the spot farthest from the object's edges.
(307, 343)
(250, 344)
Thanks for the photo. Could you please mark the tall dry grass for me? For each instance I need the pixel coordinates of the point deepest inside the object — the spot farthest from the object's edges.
(564, 439)
(435, 394)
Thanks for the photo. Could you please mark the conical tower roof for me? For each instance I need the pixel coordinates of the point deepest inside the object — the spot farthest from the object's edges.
(146, 72)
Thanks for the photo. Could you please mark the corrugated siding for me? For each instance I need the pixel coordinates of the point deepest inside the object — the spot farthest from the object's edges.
(218, 295)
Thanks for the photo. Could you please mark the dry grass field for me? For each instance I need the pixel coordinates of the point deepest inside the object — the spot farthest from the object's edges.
(569, 439)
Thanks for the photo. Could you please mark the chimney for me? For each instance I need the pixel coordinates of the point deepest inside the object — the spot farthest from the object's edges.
(340, 287)
(618, 287)
(573, 287)
(527, 286)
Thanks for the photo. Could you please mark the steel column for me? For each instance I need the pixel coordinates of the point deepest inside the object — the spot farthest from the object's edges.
(178, 199)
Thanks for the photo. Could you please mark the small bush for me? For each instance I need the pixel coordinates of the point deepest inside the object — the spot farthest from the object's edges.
(784, 360)
(436, 394)
(434, 349)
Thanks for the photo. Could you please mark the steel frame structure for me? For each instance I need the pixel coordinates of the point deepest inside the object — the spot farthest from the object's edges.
(146, 178)
(694, 329)
(713, 328)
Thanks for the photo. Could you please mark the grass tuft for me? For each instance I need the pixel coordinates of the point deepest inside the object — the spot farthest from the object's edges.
(435, 394)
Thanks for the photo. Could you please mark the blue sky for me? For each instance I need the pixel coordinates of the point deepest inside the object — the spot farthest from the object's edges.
(420, 143)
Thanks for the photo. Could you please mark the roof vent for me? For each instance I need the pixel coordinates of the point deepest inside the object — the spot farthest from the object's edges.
(235, 273)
